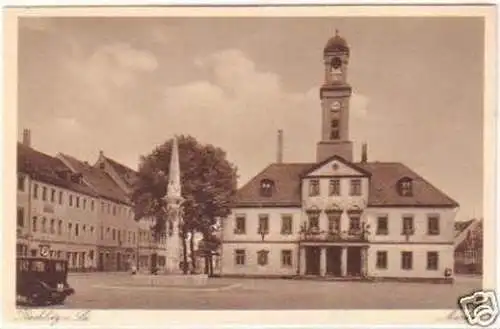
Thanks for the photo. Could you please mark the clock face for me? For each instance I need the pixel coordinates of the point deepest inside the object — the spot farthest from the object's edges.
(336, 63)
(336, 106)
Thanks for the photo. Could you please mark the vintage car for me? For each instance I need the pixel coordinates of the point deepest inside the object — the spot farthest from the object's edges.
(42, 281)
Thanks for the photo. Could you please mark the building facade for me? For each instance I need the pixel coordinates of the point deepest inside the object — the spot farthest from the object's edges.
(338, 218)
(469, 247)
(70, 209)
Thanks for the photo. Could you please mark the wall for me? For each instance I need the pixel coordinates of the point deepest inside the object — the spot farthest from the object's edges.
(252, 224)
(419, 269)
(65, 240)
(395, 224)
(251, 267)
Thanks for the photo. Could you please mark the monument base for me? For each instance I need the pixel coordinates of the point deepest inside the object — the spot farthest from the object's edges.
(170, 279)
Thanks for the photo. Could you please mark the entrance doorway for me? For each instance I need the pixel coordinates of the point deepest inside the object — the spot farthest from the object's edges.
(312, 260)
(118, 261)
(100, 262)
(354, 261)
(333, 261)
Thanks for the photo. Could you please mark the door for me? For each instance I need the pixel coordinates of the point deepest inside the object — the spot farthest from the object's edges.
(118, 261)
(354, 261)
(312, 260)
(333, 261)
(154, 262)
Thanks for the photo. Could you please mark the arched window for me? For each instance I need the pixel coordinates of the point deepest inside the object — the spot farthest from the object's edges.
(405, 186)
(266, 187)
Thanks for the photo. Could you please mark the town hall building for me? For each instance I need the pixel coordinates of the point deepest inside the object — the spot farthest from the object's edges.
(335, 218)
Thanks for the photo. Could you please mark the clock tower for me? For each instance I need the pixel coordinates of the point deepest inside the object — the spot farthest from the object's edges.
(335, 95)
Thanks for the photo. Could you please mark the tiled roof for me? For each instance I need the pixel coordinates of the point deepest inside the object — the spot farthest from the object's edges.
(383, 191)
(383, 187)
(286, 177)
(45, 168)
(98, 179)
(462, 226)
(128, 175)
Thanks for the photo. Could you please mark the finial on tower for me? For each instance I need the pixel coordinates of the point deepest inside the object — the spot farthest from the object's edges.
(336, 32)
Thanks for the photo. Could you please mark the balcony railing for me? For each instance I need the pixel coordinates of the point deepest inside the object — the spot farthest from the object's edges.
(314, 234)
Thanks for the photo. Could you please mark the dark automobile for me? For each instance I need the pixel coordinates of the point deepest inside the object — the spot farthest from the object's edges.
(42, 281)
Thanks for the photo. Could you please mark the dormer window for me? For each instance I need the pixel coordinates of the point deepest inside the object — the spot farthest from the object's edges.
(405, 186)
(266, 187)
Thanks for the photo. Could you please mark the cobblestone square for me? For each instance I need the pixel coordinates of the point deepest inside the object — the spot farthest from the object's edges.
(114, 291)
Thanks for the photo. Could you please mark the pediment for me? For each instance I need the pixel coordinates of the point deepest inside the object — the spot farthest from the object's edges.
(336, 166)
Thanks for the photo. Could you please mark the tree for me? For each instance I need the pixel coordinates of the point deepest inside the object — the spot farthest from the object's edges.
(208, 183)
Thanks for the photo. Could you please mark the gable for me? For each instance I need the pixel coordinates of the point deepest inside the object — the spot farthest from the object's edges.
(336, 166)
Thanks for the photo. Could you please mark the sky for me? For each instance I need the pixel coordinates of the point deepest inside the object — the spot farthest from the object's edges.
(125, 85)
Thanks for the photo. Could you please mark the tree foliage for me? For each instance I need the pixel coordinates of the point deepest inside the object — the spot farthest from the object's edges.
(208, 183)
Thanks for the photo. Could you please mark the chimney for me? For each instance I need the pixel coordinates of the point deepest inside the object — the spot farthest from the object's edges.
(364, 153)
(101, 153)
(27, 137)
(279, 158)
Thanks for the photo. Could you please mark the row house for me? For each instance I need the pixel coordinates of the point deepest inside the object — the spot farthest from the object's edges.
(56, 211)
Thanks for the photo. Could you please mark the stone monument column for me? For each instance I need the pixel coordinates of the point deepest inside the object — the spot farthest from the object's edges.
(174, 202)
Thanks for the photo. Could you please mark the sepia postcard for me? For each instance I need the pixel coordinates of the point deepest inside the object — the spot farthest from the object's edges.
(260, 165)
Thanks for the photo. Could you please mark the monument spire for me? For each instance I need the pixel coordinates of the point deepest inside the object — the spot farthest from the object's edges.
(174, 174)
(174, 211)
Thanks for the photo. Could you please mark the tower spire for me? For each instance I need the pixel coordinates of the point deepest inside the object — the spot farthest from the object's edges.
(174, 174)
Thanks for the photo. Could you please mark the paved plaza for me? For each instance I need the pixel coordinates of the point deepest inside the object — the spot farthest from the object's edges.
(118, 291)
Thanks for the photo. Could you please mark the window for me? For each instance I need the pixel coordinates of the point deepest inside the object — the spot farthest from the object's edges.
(334, 188)
(313, 217)
(354, 222)
(52, 226)
(52, 195)
(114, 234)
(60, 197)
(381, 260)
(20, 217)
(114, 210)
(266, 187)
(70, 228)
(20, 182)
(408, 228)
(44, 225)
(286, 224)
(263, 224)
(334, 221)
(433, 225)
(35, 191)
(406, 260)
(313, 187)
(44, 193)
(84, 229)
(355, 187)
(102, 233)
(262, 257)
(382, 225)
(34, 225)
(92, 205)
(239, 257)
(432, 260)
(286, 258)
(59, 227)
(77, 231)
(84, 203)
(91, 230)
(70, 200)
(78, 202)
(405, 186)
(335, 129)
(240, 224)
